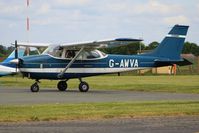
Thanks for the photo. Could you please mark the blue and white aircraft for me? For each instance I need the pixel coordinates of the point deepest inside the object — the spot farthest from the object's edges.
(78, 60)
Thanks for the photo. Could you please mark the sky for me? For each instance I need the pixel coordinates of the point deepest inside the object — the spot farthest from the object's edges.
(58, 21)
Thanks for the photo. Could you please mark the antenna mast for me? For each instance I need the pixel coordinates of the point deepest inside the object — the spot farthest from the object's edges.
(27, 21)
(27, 27)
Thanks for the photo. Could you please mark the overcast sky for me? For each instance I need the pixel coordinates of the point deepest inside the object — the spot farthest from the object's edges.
(57, 21)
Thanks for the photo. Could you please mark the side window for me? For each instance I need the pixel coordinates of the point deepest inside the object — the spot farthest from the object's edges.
(70, 54)
(93, 55)
(86, 55)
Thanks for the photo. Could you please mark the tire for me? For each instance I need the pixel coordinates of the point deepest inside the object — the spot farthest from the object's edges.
(83, 87)
(34, 87)
(62, 86)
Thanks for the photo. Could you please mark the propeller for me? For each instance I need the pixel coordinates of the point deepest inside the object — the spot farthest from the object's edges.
(16, 59)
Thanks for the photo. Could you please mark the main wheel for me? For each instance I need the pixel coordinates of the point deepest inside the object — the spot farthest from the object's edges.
(62, 85)
(34, 87)
(83, 87)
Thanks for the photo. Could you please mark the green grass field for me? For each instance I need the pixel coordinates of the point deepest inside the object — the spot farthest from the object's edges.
(175, 84)
(89, 111)
(97, 111)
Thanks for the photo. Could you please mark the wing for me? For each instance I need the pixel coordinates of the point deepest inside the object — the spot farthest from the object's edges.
(36, 45)
(101, 43)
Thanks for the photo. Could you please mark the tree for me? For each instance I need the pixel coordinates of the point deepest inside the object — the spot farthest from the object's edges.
(9, 50)
(2, 50)
(152, 46)
(191, 48)
(132, 48)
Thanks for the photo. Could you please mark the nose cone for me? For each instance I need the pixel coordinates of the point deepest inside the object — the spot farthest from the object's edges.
(15, 61)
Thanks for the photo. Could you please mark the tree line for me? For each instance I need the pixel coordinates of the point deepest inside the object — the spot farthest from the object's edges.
(134, 48)
(5, 51)
(189, 48)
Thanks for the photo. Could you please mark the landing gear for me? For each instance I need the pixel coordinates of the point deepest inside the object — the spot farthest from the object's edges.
(83, 86)
(35, 87)
(62, 85)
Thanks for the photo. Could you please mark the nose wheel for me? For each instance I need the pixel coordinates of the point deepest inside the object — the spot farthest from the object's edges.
(62, 85)
(35, 87)
(83, 86)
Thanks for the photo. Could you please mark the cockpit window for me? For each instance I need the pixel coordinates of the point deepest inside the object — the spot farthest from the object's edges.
(55, 51)
(85, 55)
(60, 52)
(90, 54)
(70, 53)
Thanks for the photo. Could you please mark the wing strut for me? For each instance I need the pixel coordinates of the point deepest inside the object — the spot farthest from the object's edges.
(60, 75)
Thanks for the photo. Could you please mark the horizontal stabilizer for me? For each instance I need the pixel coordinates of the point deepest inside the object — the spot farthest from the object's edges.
(183, 62)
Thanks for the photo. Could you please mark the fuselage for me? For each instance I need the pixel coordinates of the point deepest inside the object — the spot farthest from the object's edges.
(48, 67)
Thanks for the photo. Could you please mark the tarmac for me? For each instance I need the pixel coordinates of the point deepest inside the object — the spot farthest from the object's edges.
(23, 96)
(188, 124)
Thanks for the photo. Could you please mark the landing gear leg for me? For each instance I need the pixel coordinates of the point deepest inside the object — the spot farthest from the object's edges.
(35, 87)
(83, 86)
(62, 85)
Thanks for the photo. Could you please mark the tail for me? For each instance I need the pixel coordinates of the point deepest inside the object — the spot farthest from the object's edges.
(171, 46)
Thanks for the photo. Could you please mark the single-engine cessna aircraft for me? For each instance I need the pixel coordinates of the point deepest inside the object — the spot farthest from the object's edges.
(78, 60)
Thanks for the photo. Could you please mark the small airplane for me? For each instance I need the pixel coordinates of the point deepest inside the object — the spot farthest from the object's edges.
(78, 60)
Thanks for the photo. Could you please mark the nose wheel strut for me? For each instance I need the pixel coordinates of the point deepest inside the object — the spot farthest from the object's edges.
(62, 85)
(83, 86)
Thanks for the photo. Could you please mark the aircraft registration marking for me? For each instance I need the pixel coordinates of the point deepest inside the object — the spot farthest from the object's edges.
(124, 63)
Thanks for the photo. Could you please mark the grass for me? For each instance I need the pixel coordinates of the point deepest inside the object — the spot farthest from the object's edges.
(174, 84)
(95, 111)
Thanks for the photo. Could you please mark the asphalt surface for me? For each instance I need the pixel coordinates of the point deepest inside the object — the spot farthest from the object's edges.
(17, 96)
(136, 125)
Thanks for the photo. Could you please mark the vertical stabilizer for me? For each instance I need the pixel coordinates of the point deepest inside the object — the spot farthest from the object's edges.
(171, 46)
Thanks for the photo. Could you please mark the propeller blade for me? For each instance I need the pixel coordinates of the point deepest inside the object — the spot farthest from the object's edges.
(16, 50)
(16, 54)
